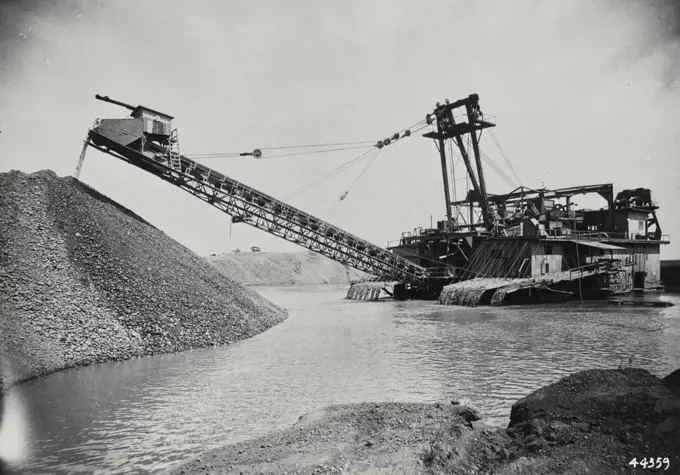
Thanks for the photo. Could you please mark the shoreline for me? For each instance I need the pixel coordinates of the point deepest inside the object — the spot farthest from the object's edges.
(591, 421)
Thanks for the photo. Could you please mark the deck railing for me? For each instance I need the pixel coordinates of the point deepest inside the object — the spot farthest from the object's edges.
(595, 267)
(603, 236)
(581, 236)
(440, 271)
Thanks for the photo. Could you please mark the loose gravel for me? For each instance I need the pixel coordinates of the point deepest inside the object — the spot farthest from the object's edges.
(85, 280)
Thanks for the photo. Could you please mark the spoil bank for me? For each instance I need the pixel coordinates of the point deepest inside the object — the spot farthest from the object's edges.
(84, 280)
(594, 421)
(288, 268)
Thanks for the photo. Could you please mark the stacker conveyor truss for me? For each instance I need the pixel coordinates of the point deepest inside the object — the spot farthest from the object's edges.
(143, 144)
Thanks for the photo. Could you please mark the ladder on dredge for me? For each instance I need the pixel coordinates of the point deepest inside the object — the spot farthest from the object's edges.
(144, 146)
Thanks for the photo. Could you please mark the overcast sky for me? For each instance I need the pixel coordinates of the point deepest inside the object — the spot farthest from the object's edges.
(584, 92)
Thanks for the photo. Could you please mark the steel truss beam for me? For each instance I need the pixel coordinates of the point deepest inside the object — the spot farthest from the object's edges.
(261, 211)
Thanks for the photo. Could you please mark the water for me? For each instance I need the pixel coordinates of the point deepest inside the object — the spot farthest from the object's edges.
(149, 413)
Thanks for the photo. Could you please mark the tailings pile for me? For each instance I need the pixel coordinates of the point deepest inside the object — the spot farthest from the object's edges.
(288, 268)
(85, 280)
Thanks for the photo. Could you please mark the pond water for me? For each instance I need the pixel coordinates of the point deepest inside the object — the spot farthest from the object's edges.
(150, 413)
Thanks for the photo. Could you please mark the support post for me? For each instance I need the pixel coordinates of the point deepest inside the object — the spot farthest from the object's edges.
(484, 200)
(466, 160)
(445, 175)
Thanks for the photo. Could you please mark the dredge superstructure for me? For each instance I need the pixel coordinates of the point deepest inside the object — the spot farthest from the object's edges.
(524, 246)
(532, 245)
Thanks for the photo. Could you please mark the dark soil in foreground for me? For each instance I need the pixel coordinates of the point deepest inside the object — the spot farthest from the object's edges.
(84, 280)
(595, 421)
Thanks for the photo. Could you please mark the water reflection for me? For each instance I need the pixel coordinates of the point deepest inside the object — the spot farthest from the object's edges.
(149, 413)
(13, 432)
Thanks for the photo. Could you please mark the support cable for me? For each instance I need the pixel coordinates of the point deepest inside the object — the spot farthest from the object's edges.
(337, 170)
(326, 176)
(365, 142)
(505, 157)
(292, 154)
(344, 195)
(504, 176)
(257, 153)
(453, 179)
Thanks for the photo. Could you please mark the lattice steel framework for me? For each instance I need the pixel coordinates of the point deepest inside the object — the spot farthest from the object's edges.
(248, 205)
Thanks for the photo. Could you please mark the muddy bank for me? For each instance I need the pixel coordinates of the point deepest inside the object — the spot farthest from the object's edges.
(594, 421)
(360, 438)
(85, 280)
(286, 268)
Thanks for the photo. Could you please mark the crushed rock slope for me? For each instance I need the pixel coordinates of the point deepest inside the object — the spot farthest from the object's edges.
(84, 280)
(289, 268)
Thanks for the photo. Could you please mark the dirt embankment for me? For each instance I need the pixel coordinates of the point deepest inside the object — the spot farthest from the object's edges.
(85, 280)
(595, 421)
(289, 268)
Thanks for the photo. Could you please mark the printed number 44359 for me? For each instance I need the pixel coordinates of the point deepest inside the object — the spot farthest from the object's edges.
(651, 462)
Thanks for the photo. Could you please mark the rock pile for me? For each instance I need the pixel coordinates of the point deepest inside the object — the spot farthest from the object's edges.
(599, 420)
(286, 268)
(85, 280)
(361, 438)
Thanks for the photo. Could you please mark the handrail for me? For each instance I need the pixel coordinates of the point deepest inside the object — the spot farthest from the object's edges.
(602, 236)
(442, 271)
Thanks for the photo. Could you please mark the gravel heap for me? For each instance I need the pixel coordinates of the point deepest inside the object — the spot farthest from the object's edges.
(597, 421)
(286, 268)
(387, 438)
(85, 280)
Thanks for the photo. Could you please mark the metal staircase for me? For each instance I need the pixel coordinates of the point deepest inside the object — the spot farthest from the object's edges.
(173, 150)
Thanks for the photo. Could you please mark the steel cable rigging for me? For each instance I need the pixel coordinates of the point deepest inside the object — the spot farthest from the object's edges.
(504, 176)
(301, 150)
(349, 188)
(257, 153)
(505, 157)
(349, 164)
(328, 175)
(323, 148)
